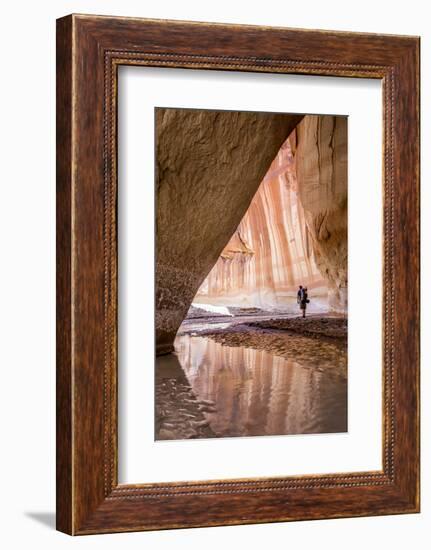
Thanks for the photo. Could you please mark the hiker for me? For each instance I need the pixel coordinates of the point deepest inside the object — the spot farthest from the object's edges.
(299, 295)
(302, 299)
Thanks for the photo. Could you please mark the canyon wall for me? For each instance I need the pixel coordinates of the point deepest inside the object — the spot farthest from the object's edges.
(295, 230)
(319, 146)
(271, 251)
(209, 165)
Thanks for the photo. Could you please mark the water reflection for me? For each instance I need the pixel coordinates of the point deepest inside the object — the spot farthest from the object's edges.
(257, 393)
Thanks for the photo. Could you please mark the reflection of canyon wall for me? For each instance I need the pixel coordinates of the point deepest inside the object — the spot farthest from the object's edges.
(209, 166)
(258, 393)
(295, 230)
(321, 169)
(271, 252)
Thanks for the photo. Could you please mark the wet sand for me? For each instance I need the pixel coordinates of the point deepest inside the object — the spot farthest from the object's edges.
(179, 414)
(329, 326)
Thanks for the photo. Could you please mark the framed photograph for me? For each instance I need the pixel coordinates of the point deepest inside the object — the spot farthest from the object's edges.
(237, 274)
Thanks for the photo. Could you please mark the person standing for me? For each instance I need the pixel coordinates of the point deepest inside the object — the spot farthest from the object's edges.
(299, 295)
(302, 299)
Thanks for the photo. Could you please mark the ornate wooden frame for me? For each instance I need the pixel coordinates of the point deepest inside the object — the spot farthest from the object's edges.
(89, 51)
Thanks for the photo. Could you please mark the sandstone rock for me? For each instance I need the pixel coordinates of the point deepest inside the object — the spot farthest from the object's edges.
(270, 253)
(321, 170)
(295, 230)
(209, 166)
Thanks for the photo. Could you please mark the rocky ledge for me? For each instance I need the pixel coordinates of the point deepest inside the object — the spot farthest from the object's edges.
(315, 327)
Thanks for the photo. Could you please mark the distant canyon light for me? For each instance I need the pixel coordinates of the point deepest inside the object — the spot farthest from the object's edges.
(213, 309)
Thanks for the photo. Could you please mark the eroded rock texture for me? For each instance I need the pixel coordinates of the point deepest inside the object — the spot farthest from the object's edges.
(271, 251)
(209, 166)
(320, 154)
(295, 230)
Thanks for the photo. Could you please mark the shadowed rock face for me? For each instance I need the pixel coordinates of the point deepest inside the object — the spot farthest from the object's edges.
(270, 253)
(209, 166)
(295, 230)
(321, 168)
